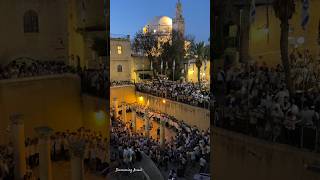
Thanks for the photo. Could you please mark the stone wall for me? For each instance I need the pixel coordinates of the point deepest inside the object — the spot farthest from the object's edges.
(236, 156)
(53, 101)
(48, 44)
(189, 114)
(126, 93)
(262, 39)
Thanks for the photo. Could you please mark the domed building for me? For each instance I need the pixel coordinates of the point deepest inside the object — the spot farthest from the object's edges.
(163, 25)
(160, 24)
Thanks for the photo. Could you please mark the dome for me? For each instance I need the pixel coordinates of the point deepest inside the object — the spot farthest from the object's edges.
(160, 23)
(163, 21)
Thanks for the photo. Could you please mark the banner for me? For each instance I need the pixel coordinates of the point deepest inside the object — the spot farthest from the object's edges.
(252, 11)
(305, 14)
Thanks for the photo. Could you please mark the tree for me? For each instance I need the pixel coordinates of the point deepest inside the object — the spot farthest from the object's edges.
(179, 51)
(284, 10)
(170, 50)
(200, 50)
(147, 44)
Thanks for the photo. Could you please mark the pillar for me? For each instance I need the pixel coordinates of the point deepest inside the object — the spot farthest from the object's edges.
(116, 109)
(124, 112)
(146, 124)
(77, 148)
(45, 170)
(162, 132)
(18, 142)
(134, 119)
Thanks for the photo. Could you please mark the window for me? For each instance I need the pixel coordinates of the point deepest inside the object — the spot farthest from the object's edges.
(30, 22)
(119, 49)
(119, 68)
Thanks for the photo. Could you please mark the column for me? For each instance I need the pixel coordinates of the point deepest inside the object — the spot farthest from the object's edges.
(162, 132)
(77, 148)
(124, 112)
(45, 170)
(146, 124)
(116, 109)
(134, 119)
(18, 142)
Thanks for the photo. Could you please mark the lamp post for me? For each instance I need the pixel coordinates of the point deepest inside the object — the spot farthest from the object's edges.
(162, 128)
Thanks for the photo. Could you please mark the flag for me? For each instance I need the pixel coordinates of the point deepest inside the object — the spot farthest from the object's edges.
(161, 65)
(151, 67)
(252, 11)
(305, 14)
(174, 64)
(167, 65)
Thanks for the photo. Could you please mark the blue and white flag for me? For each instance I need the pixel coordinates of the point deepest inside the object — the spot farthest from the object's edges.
(253, 11)
(305, 14)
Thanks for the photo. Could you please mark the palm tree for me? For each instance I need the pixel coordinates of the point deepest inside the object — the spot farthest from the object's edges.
(200, 56)
(284, 10)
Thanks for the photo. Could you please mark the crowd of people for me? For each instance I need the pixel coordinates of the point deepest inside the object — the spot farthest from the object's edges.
(121, 83)
(95, 149)
(6, 162)
(305, 70)
(190, 147)
(95, 82)
(33, 68)
(257, 102)
(185, 92)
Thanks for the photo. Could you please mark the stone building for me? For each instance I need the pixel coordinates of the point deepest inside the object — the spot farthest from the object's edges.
(120, 58)
(260, 40)
(50, 30)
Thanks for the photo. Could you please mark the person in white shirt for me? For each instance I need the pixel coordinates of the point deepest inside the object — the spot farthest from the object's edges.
(203, 163)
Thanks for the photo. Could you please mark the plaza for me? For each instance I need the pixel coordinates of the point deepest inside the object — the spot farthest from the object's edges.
(160, 95)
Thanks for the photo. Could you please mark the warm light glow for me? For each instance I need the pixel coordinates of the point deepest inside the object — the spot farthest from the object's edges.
(191, 71)
(163, 101)
(140, 98)
(119, 49)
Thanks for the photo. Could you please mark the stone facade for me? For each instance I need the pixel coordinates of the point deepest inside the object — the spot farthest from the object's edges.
(120, 59)
(50, 30)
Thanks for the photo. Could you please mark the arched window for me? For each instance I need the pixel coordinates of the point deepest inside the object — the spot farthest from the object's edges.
(119, 68)
(31, 22)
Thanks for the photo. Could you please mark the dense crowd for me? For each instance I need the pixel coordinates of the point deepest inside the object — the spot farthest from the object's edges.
(95, 149)
(188, 148)
(95, 82)
(33, 68)
(305, 70)
(6, 162)
(121, 83)
(257, 102)
(185, 92)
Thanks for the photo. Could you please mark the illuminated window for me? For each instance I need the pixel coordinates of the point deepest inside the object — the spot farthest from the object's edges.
(119, 49)
(119, 68)
(30, 22)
